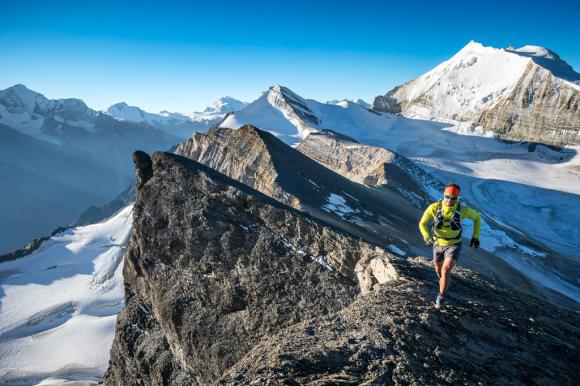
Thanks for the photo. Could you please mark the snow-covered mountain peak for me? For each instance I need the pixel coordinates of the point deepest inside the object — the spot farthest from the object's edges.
(19, 98)
(487, 85)
(33, 114)
(291, 115)
(276, 91)
(539, 55)
(292, 118)
(123, 112)
(549, 60)
(225, 105)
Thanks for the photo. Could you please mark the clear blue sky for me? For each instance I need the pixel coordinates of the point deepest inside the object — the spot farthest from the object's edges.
(181, 56)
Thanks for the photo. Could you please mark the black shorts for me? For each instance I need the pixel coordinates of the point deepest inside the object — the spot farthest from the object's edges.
(441, 252)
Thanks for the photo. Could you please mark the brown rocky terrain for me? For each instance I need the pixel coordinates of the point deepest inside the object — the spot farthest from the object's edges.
(540, 108)
(222, 266)
(369, 165)
(226, 285)
(263, 162)
(321, 177)
(486, 336)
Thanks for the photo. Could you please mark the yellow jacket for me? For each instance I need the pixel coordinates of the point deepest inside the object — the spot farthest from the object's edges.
(445, 235)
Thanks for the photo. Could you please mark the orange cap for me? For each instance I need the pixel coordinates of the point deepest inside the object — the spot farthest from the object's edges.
(451, 190)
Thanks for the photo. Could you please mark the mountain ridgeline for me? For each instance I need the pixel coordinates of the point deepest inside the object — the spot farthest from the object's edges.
(225, 285)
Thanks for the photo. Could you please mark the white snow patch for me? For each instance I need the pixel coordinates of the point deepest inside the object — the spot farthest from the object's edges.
(396, 250)
(320, 260)
(338, 205)
(71, 287)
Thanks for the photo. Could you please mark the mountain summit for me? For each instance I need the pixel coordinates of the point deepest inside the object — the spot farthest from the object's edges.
(527, 94)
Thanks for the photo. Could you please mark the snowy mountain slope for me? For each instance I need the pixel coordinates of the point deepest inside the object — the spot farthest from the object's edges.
(524, 94)
(453, 152)
(528, 252)
(177, 124)
(357, 101)
(58, 305)
(291, 117)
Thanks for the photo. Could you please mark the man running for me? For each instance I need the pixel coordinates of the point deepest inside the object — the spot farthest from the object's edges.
(447, 215)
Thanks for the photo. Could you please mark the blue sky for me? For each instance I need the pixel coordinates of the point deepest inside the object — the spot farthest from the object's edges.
(181, 56)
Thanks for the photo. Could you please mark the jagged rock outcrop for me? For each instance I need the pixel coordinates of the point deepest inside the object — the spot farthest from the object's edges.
(368, 165)
(262, 161)
(240, 154)
(528, 94)
(225, 285)
(214, 266)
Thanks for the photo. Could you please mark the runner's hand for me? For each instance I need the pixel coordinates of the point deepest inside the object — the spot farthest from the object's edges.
(474, 243)
(428, 241)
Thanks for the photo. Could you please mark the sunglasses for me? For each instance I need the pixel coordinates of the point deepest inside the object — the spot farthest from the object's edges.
(452, 198)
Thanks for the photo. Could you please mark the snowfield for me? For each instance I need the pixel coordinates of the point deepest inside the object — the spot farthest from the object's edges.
(59, 305)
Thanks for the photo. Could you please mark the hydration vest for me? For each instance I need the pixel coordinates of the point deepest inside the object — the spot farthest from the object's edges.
(454, 223)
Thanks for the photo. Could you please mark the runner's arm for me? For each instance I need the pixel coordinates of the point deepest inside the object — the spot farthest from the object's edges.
(476, 218)
(428, 215)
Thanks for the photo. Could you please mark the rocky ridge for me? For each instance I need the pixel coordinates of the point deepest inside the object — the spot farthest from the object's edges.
(263, 162)
(235, 266)
(225, 285)
(383, 216)
(368, 165)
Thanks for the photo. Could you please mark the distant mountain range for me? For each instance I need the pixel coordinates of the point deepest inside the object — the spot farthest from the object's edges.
(58, 157)
(181, 125)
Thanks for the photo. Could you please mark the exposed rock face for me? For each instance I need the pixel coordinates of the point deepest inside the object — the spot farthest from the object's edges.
(540, 108)
(225, 285)
(368, 165)
(214, 266)
(528, 94)
(240, 154)
(265, 163)
(294, 107)
(487, 336)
